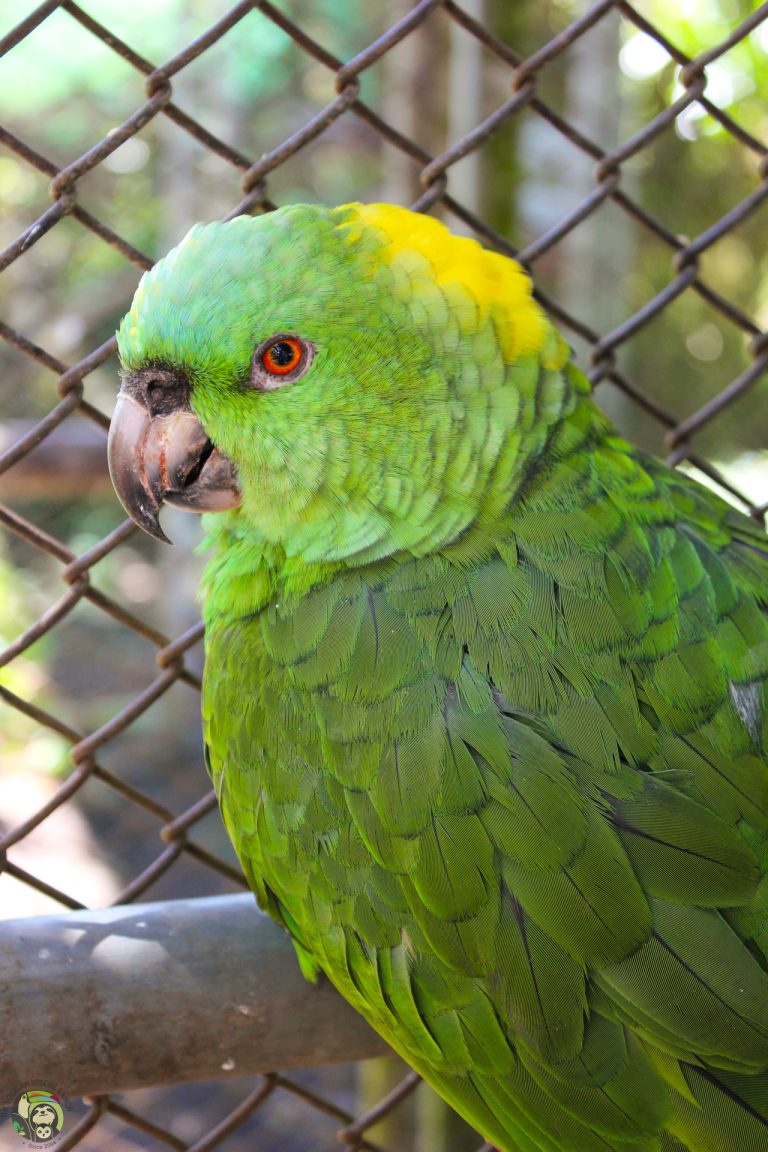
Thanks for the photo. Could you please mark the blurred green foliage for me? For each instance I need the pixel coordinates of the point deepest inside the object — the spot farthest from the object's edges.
(693, 174)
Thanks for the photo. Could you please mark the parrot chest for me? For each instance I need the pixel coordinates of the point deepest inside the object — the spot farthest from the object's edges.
(426, 780)
(319, 722)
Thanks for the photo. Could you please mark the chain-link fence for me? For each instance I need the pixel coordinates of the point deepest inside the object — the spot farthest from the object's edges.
(615, 150)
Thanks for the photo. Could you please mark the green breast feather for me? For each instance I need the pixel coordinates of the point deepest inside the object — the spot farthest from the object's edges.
(499, 760)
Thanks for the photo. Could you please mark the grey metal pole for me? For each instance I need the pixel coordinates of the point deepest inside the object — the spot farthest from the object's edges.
(147, 994)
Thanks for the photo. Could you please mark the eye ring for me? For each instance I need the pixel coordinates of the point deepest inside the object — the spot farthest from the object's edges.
(279, 360)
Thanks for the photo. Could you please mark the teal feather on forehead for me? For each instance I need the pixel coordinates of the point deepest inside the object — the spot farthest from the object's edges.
(198, 307)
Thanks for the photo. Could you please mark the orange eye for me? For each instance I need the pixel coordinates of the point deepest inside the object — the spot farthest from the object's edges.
(282, 357)
(279, 360)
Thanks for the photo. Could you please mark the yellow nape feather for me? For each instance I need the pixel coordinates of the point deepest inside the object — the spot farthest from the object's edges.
(499, 287)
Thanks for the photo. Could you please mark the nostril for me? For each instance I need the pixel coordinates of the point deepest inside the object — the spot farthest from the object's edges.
(151, 389)
(159, 398)
(161, 390)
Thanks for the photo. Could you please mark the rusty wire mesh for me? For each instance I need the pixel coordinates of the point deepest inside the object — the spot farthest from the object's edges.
(178, 833)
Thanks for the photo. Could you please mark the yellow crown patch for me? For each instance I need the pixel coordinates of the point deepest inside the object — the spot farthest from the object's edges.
(499, 287)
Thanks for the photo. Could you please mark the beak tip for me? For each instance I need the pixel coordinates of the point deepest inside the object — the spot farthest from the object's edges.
(148, 519)
(158, 534)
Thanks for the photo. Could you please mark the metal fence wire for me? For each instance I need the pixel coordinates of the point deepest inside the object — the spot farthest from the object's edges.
(101, 679)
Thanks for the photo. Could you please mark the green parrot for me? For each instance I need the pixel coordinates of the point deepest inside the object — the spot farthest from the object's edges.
(486, 689)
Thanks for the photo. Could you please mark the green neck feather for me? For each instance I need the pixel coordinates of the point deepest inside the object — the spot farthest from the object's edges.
(278, 546)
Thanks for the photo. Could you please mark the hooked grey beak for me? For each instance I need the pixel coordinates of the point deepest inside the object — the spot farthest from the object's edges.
(159, 453)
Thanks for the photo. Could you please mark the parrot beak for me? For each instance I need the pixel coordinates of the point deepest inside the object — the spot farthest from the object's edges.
(158, 452)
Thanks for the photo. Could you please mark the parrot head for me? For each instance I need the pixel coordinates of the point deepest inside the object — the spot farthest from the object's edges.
(353, 381)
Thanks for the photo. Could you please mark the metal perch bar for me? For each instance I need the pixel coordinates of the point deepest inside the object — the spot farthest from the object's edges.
(87, 1002)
